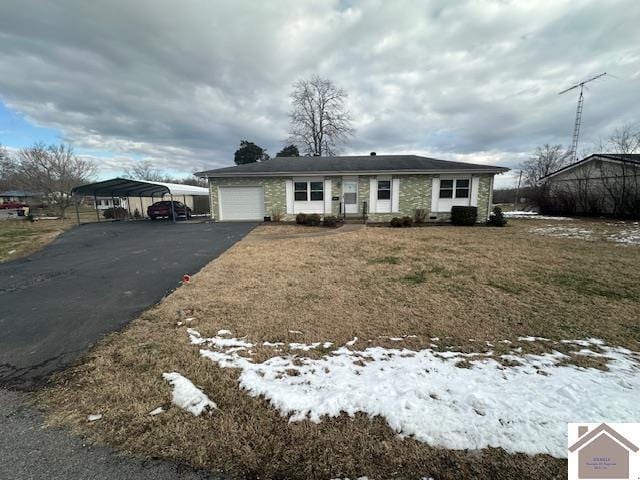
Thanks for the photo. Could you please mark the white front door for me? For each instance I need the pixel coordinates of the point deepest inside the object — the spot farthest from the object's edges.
(350, 196)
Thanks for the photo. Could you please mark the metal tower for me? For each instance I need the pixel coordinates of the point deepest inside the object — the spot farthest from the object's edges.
(576, 128)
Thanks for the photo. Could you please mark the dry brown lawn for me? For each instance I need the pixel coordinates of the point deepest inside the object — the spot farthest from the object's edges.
(464, 285)
(21, 237)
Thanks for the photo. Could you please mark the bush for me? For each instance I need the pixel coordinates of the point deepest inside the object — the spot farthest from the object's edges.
(276, 215)
(403, 222)
(313, 220)
(463, 215)
(136, 213)
(330, 221)
(496, 218)
(420, 215)
(117, 213)
(301, 218)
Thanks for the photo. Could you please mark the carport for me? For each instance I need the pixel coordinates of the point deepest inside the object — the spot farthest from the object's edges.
(125, 188)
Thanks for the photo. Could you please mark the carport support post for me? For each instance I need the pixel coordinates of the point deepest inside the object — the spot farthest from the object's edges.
(95, 202)
(184, 200)
(129, 207)
(141, 211)
(173, 210)
(113, 201)
(77, 211)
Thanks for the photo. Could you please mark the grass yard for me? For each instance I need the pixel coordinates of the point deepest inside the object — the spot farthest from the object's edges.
(458, 298)
(21, 237)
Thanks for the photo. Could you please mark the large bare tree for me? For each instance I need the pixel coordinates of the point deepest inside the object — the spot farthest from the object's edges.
(143, 170)
(545, 160)
(320, 121)
(53, 171)
(7, 171)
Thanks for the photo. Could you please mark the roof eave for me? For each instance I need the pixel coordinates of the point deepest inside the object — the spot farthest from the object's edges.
(213, 174)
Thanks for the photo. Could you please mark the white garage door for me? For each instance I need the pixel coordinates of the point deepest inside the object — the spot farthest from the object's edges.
(241, 203)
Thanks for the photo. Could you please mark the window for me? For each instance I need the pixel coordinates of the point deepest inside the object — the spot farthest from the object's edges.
(462, 188)
(300, 191)
(446, 188)
(305, 191)
(384, 189)
(317, 191)
(458, 186)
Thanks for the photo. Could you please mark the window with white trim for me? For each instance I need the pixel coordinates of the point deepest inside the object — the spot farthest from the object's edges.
(305, 191)
(384, 189)
(456, 188)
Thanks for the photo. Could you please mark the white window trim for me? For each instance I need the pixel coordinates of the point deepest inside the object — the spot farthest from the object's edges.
(310, 206)
(309, 181)
(454, 188)
(384, 206)
(443, 205)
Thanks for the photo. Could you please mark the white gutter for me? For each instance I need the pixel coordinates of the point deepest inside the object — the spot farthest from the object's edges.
(352, 172)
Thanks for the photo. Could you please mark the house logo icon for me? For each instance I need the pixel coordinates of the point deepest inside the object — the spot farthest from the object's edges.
(602, 451)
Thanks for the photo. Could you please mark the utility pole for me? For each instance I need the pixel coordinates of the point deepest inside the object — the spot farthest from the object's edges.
(515, 200)
(576, 127)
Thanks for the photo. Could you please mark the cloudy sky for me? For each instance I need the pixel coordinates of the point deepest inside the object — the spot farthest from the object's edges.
(181, 82)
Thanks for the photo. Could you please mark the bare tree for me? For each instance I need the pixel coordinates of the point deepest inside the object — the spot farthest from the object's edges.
(52, 170)
(621, 181)
(319, 118)
(545, 160)
(143, 170)
(7, 170)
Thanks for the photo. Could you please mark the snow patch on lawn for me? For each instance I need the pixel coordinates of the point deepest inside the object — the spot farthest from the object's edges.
(532, 215)
(423, 393)
(187, 396)
(563, 232)
(627, 236)
(216, 341)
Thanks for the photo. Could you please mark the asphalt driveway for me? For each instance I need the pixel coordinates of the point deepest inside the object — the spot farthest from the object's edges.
(93, 280)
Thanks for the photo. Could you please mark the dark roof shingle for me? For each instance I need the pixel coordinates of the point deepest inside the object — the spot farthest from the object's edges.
(362, 163)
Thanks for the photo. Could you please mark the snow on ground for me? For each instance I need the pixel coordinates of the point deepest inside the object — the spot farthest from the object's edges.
(630, 236)
(625, 236)
(563, 232)
(187, 396)
(533, 215)
(424, 394)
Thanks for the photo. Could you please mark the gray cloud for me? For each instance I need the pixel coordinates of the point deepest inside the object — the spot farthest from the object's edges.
(182, 83)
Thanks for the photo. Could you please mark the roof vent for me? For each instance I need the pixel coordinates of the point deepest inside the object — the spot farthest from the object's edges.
(373, 154)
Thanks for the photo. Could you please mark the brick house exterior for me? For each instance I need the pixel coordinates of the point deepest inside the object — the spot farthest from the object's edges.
(382, 186)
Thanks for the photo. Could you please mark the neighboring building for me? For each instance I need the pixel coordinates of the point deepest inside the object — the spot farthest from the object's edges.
(602, 183)
(104, 203)
(20, 196)
(382, 186)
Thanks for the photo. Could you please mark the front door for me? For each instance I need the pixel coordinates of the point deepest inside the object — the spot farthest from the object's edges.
(350, 196)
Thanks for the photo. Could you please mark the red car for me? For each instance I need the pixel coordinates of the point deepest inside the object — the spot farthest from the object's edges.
(12, 205)
(163, 209)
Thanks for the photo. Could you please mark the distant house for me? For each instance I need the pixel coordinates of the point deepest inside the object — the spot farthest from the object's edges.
(602, 453)
(602, 183)
(380, 186)
(20, 196)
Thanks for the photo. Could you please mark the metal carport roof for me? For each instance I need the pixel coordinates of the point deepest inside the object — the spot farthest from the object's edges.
(123, 187)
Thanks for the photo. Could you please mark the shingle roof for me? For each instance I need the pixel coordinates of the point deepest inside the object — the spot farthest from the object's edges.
(633, 158)
(351, 164)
